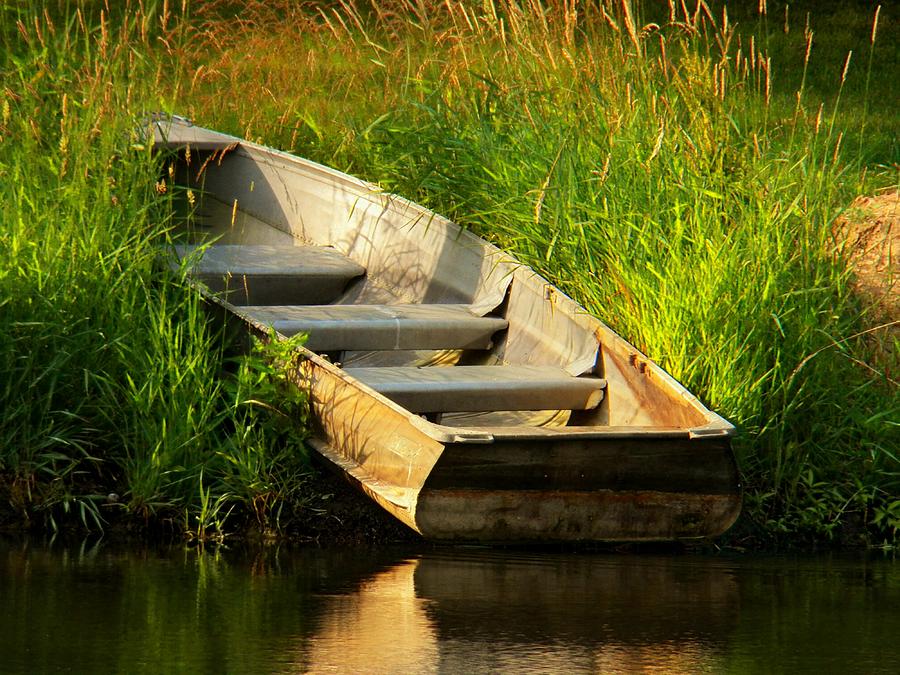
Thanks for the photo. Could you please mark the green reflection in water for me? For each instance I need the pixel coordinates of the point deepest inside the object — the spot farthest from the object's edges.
(103, 609)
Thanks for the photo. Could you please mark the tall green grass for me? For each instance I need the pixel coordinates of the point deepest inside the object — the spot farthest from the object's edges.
(112, 405)
(668, 172)
(674, 172)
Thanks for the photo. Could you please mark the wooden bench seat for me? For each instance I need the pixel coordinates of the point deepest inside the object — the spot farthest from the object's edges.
(483, 388)
(381, 327)
(267, 275)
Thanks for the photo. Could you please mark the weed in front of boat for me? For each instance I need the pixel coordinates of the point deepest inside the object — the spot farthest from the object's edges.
(264, 461)
(677, 174)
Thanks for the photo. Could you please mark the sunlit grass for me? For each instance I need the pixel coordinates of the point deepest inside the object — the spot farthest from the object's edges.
(675, 167)
(668, 172)
(110, 390)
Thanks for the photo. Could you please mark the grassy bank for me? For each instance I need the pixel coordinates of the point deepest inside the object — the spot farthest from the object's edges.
(113, 407)
(676, 173)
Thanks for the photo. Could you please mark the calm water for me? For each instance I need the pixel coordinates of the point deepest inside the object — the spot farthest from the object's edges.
(97, 609)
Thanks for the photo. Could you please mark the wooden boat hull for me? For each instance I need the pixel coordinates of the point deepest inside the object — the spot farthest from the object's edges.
(610, 485)
(587, 490)
(650, 462)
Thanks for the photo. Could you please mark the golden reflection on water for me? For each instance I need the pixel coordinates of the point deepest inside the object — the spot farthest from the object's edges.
(380, 628)
(664, 659)
(489, 613)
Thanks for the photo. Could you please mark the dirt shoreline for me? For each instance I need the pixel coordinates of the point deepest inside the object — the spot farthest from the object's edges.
(868, 234)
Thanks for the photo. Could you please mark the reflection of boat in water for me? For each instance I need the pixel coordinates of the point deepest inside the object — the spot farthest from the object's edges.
(585, 599)
(379, 626)
(475, 401)
(483, 612)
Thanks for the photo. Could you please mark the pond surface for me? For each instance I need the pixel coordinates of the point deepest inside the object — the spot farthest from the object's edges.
(95, 608)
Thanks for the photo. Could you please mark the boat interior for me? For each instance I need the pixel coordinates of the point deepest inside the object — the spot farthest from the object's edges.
(421, 311)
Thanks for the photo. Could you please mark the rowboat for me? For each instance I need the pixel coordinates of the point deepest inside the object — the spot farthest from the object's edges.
(460, 390)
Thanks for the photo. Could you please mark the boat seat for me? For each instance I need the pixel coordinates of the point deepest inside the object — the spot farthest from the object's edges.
(381, 327)
(482, 388)
(268, 275)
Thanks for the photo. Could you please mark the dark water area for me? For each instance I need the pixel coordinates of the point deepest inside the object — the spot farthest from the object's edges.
(96, 608)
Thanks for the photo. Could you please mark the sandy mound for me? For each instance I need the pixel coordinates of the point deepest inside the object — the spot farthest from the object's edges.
(870, 233)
